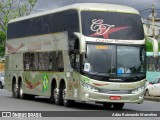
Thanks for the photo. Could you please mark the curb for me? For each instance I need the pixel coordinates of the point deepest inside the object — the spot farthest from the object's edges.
(157, 99)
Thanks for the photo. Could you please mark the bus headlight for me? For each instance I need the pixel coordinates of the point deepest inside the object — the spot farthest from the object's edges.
(89, 87)
(138, 90)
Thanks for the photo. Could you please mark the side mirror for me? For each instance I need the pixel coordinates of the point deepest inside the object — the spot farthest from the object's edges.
(82, 42)
(154, 44)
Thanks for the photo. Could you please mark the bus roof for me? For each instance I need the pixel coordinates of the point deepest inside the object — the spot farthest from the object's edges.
(83, 6)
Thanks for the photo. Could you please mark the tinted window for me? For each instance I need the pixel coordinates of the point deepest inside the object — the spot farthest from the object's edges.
(156, 81)
(55, 22)
(115, 60)
(43, 61)
(111, 25)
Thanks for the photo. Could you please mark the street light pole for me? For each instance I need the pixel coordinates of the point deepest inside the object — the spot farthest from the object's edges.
(153, 20)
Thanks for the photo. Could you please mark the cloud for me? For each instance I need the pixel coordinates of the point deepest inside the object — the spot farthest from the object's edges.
(43, 5)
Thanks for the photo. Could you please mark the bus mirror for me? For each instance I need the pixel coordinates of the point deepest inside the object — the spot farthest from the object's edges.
(154, 44)
(82, 42)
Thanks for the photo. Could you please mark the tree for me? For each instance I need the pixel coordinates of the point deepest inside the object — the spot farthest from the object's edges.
(11, 9)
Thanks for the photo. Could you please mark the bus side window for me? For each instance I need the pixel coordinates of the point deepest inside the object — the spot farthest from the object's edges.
(158, 64)
(75, 61)
(152, 63)
(75, 56)
(59, 60)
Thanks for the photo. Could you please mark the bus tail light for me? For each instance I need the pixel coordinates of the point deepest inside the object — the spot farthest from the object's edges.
(115, 97)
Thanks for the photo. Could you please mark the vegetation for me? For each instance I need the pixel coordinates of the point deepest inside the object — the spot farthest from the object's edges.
(149, 47)
(11, 9)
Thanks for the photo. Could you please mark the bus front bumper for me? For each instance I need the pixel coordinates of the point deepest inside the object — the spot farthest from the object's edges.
(102, 97)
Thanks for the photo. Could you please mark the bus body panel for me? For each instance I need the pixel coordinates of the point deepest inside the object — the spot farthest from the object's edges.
(45, 50)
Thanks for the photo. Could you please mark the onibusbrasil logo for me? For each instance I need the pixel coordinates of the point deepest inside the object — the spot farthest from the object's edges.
(45, 83)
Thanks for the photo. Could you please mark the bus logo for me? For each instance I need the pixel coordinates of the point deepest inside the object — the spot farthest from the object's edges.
(100, 28)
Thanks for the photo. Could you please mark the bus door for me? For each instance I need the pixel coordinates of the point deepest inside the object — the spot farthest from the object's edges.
(75, 75)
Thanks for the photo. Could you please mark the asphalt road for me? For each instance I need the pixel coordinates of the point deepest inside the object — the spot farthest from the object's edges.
(7, 103)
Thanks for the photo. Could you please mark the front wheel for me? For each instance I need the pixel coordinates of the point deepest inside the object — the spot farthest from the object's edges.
(118, 106)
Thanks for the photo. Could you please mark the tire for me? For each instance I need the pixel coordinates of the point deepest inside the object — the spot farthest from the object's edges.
(57, 96)
(21, 94)
(1, 86)
(118, 106)
(66, 102)
(147, 93)
(52, 98)
(107, 105)
(15, 91)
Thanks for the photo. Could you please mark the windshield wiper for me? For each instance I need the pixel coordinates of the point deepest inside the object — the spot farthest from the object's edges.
(96, 73)
(100, 73)
(112, 74)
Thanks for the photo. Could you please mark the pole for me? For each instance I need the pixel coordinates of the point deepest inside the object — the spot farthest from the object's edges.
(153, 20)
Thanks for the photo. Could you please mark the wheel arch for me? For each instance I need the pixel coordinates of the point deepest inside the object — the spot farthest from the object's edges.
(14, 80)
(20, 80)
(53, 84)
(63, 81)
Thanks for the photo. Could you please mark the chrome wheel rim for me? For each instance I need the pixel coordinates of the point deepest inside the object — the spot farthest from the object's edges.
(15, 89)
(55, 94)
(64, 96)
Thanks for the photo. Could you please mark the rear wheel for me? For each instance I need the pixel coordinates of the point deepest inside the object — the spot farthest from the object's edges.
(57, 96)
(15, 91)
(66, 102)
(21, 93)
(118, 106)
(53, 96)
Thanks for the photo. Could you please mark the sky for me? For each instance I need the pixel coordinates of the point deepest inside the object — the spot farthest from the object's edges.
(43, 5)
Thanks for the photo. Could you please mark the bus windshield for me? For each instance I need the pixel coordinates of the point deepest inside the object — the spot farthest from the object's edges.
(111, 60)
(112, 25)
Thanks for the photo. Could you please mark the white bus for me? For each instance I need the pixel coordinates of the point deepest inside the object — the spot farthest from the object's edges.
(86, 52)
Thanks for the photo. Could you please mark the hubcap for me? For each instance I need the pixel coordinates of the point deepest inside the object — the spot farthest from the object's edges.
(55, 94)
(21, 92)
(15, 90)
(64, 95)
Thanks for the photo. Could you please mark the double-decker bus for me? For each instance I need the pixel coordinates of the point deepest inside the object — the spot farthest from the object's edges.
(86, 52)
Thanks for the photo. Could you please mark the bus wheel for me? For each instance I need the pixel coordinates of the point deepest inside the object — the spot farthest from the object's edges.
(118, 106)
(15, 91)
(21, 94)
(57, 96)
(66, 102)
(107, 105)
